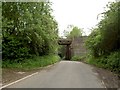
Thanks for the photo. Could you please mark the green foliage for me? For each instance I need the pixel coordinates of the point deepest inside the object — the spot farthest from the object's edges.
(75, 32)
(111, 61)
(104, 41)
(106, 37)
(28, 29)
(14, 50)
(93, 43)
(32, 63)
(78, 58)
(62, 51)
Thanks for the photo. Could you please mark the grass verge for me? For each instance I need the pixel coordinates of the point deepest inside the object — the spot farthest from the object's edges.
(32, 63)
(78, 58)
(111, 62)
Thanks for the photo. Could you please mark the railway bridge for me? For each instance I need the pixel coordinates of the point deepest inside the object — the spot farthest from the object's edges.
(73, 47)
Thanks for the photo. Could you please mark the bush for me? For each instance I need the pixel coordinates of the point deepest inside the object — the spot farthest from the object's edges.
(78, 58)
(14, 50)
(33, 33)
(111, 61)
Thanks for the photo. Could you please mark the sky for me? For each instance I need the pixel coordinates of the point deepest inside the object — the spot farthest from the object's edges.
(80, 13)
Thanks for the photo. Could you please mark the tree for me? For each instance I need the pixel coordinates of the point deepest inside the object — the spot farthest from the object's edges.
(75, 31)
(104, 41)
(28, 29)
(106, 38)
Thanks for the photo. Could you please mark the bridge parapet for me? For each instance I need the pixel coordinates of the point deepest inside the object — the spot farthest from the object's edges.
(64, 41)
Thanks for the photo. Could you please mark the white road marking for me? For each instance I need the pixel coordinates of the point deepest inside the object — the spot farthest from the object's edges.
(18, 80)
(103, 83)
(23, 78)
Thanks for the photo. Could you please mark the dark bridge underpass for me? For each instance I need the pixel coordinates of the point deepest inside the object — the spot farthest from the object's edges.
(66, 42)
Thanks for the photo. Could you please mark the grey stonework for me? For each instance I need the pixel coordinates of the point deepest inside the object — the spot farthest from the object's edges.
(77, 47)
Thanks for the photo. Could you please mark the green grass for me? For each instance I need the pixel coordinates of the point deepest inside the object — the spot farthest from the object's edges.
(33, 63)
(78, 58)
(111, 62)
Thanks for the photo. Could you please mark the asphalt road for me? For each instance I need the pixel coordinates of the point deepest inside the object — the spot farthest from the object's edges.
(65, 74)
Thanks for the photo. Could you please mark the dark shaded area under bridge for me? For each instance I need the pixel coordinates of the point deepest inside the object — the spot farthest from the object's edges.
(66, 42)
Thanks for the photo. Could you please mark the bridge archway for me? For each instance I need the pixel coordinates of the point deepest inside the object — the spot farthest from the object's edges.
(66, 42)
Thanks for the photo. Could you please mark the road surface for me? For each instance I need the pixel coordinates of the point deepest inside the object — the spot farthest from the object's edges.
(65, 74)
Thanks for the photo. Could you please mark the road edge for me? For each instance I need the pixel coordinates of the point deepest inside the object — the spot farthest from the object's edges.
(26, 76)
(18, 80)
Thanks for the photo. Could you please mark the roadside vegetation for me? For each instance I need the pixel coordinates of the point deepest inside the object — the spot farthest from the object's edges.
(103, 44)
(29, 35)
(104, 41)
(32, 63)
(78, 58)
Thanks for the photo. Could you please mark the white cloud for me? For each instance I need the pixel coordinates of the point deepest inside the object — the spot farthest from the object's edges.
(82, 13)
